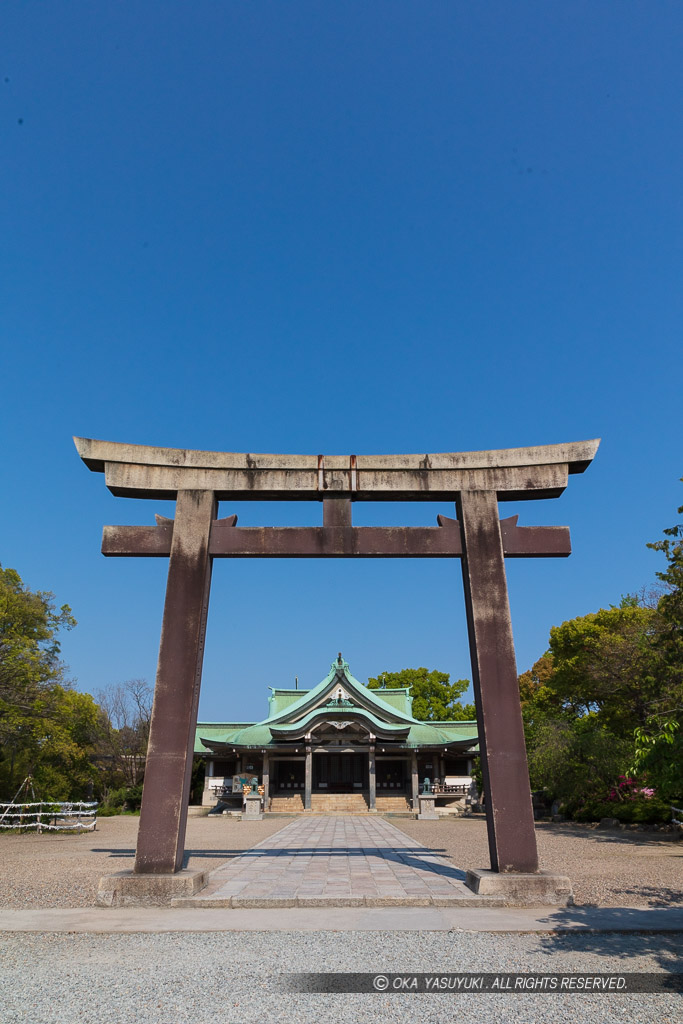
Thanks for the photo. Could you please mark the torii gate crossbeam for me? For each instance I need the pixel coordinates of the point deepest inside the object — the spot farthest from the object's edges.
(474, 481)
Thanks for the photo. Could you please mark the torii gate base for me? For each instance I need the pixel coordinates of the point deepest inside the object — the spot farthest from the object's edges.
(475, 481)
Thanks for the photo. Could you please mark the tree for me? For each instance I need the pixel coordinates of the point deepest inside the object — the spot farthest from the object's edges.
(126, 711)
(537, 697)
(582, 701)
(55, 743)
(606, 701)
(606, 663)
(659, 740)
(435, 699)
(47, 729)
(29, 646)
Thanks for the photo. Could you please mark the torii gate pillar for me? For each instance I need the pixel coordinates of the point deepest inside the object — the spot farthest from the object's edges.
(509, 813)
(168, 767)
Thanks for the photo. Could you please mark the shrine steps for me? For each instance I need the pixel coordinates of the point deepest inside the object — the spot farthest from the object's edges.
(338, 803)
(290, 803)
(391, 804)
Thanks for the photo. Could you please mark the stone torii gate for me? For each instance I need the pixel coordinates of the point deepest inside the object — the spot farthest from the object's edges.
(197, 481)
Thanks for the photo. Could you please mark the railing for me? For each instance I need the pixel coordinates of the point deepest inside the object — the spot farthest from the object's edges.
(460, 789)
(223, 792)
(50, 815)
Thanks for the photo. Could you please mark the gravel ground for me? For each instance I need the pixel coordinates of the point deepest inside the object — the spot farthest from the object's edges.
(235, 978)
(53, 870)
(606, 868)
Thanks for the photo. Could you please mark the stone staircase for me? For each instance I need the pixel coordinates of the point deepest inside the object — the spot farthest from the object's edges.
(339, 803)
(287, 803)
(394, 804)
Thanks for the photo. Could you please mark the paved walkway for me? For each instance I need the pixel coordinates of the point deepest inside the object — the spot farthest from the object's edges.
(337, 861)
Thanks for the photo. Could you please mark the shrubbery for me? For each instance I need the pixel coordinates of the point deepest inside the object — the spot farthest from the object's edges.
(125, 800)
(640, 810)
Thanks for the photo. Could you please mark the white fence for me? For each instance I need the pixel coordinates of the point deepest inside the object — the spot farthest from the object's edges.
(50, 815)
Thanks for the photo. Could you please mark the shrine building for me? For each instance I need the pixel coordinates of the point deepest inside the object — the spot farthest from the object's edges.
(338, 746)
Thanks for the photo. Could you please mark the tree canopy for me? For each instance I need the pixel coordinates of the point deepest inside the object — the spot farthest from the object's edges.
(659, 742)
(602, 708)
(29, 644)
(435, 698)
(72, 746)
(47, 729)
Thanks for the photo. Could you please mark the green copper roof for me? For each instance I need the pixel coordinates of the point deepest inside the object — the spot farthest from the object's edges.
(338, 697)
(398, 698)
(280, 700)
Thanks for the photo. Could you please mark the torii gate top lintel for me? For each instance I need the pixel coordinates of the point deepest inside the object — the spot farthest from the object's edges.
(145, 471)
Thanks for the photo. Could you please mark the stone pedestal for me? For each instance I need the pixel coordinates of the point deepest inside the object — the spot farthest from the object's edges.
(427, 807)
(252, 807)
(128, 889)
(541, 888)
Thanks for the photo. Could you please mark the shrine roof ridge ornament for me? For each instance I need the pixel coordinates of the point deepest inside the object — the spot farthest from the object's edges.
(145, 471)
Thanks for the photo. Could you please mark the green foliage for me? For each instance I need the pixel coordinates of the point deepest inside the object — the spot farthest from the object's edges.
(671, 604)
(659, 756)
(606, 662)
(574, 756)
(47, 729)
(29, 646)
(435, 698)
(53, 741)
(568, 751)
(125, 800)
(607, 698)
(659, 741)
(639, 811)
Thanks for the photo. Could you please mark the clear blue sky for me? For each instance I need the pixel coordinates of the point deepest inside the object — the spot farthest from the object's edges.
(336, 227)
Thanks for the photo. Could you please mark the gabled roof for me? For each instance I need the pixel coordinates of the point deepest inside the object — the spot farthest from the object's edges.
(339, 696)
(340, 675)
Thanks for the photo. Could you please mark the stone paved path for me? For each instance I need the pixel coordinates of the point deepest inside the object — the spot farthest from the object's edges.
(337, 861)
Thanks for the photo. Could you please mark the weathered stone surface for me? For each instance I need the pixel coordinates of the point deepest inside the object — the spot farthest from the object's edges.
(515, 473)
(96, 453)
(511, 483)
(330, 901)
(427, 807)
(399, 901)
(441, 541)
(168, 771)
(252, 808)
(542, 888)
(255, 902)
(509, 813)
(127, 889)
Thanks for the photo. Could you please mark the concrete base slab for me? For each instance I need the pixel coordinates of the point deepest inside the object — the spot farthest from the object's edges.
(218, 902)
(543, 888)
(330, 901)
(127, 889)
(511, 920)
